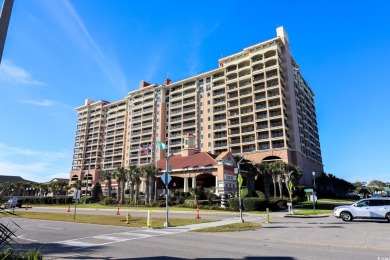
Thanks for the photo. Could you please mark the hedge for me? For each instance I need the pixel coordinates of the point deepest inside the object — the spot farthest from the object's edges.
(255, 203)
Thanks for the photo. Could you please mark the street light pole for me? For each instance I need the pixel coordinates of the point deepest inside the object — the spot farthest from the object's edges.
(166, 224)
(314, 191)
(239, 191)
(289, 189)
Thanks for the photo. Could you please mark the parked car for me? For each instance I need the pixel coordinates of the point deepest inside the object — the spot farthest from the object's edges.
(13, 202)
(371, 208)
(376, 195)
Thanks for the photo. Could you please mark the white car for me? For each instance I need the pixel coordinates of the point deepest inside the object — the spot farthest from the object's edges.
(372, 208)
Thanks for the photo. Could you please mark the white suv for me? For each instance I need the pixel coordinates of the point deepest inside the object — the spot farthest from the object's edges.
(372, 208)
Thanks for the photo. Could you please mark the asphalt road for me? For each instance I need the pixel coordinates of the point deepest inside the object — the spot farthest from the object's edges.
(282, 238)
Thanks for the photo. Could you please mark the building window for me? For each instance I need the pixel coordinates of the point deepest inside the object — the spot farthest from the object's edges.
(209, 144)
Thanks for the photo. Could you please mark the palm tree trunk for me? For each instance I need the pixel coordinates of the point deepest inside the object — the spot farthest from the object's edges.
(274, 182)
(280, 186)
(152, 188)
(266, 187)
(137, 192)
(123, 184)
(131, 191)
(147, 188)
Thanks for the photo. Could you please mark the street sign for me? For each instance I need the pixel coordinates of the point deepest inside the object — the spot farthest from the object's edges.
(309, 190)
(239, 180)
(166, 178)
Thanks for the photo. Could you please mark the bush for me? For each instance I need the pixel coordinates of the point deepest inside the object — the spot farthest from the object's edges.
(233, 204)
(260, 194)
(248, 204)
(87, 200)
(252, 204)
(11, 254)
(277, 204)
(107, 201)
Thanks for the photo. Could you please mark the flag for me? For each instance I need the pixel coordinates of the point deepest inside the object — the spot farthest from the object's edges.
(142, 149)
(161, 145)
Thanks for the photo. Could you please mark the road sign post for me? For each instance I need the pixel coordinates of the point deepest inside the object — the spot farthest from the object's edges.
(239, 180)
(166, 178)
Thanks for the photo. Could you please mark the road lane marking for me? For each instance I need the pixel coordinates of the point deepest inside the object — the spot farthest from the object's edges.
(39, 226)
(25, 238)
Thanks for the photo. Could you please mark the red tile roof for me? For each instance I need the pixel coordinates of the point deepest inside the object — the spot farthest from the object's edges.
(198, 160)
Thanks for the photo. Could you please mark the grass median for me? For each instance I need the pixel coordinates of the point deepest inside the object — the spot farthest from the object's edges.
(236, 227)
(137, 222)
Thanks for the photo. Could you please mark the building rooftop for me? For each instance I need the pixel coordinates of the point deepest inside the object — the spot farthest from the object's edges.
(197, 160)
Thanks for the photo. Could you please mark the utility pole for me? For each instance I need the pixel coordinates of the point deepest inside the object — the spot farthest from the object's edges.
(5, 16)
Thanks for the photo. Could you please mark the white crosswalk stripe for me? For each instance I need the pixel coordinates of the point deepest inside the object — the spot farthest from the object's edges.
(105, 239)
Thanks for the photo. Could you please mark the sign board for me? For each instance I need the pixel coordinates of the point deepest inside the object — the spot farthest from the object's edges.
(76, 194)
(239, 180)
(313, 198)
(166, 178)
(309, 190)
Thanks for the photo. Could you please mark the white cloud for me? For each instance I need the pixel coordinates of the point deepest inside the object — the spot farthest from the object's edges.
(33, 165)
(17, 75)
(43, 103)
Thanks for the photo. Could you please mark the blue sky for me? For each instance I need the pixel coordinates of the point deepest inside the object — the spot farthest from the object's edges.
(59, 53)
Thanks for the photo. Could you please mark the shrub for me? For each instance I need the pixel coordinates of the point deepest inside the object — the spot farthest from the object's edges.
(260, 194)
(277, 203)
(233, 203)
(251, 204)
(107, 201)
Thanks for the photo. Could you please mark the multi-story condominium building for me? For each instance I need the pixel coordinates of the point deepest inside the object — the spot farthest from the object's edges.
(255, 103)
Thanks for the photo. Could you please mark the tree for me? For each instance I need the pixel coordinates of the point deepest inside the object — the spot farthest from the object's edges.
(264, 169)
(107, 178)
(132, 176)
(121, 178)
(77, 184)
(277, 171)
(378, 183)
(97, 192)
(247, 169)
(149, 172)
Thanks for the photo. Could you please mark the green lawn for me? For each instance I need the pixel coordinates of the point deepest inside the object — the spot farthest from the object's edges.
(312, 212)
(114, 220)
(236, 227)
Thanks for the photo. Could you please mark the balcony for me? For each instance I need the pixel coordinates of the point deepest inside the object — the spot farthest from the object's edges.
(219, 118)
(258, 79)
(220, 144)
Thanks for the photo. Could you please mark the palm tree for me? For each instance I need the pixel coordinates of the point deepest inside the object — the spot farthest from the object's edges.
(132, 174)
(61, 186)
(278, 170)
(77, 184)
(151, 172)
(121, 178)
(145, 172)
(265, 170)
(107, 177)
(54, 187)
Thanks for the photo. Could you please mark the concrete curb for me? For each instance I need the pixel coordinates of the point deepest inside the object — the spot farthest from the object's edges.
(307, 216)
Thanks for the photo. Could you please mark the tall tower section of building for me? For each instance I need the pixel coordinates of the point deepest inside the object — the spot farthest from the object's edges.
(256, 103)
